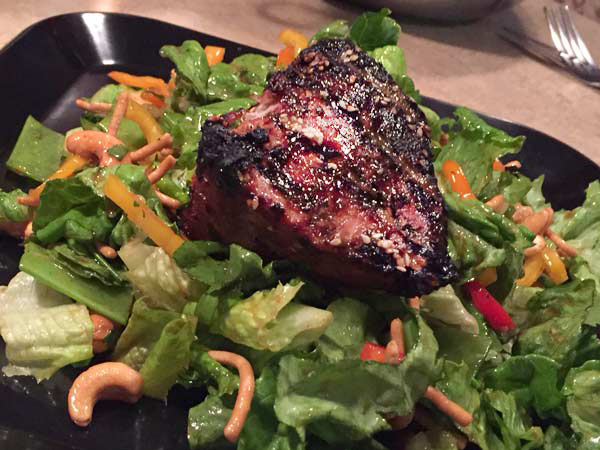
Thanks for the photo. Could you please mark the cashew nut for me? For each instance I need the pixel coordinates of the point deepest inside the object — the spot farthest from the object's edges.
(245, 392)
(498, 204)
(539, 222)
(539, 244)
(106, 381)
(103, 326)
(561, 244)
(91, 142)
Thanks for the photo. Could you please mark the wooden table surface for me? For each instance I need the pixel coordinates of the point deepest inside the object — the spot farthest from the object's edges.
(465, 64)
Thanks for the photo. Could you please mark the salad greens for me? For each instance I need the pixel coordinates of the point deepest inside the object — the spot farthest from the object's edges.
(536, 386)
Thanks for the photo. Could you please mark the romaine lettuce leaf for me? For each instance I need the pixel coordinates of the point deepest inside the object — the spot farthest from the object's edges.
(344, 401)
(108, 93)
(474, 145)
(582, 389)
(156, 277)
(534, 382)
(371, 30)
(205, 371)
(43, 330)
(444, 306)
(224, 83)
(583, 217)
(252, 68)
(206, 422)
(392, 59)
(38, 151)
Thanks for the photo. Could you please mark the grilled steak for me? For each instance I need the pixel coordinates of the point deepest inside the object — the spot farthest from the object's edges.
(331, 169)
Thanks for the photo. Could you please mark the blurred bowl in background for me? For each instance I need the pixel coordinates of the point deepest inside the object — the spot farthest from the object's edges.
(441, 10)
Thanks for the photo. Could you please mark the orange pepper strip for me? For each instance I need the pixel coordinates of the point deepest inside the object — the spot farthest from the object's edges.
(154, 84)
(72, 164)
(214, 55)
(286, 56)
(137, 211)
(487, 277)
(294, 39)
(147, 123)
(533, 268)
(497, 166)
(153, 99)
(553, 266)
(458, 182)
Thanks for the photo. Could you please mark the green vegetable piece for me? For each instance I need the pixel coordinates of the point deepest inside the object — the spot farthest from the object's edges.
(118, 151)
(113, 302)
(586, 215)
(192, 66)
(204, 370)
(169, 357)
(224, 83)
(129, 132)
(444, 305)
(375, 29)
(11, 210)
(206, 422)
(38, 151)
(338, 29)
(108, 93)
(392, 59)
(253, 68)
(582, 390)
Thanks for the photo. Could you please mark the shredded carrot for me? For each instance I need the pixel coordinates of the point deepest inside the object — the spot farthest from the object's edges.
(286, 56)
(497, 166)
(154, 84)
(214, 55)
(447, 406)
(153, 99)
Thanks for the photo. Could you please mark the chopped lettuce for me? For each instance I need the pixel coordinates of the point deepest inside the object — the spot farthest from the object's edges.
(157, 343)
(156, 277)
(474, 145)
(445, 306)
(224, 83)
(43, 330)
(392, 59)
(206, 422)
(583, 217)
(582, 390)
(38, 151)
(375, 29)
(108, 93)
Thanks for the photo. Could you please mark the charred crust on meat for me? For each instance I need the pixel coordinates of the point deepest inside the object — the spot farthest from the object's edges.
(331, 169)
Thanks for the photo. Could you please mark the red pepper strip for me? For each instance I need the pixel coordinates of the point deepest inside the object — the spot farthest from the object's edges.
(372, 352)
(488, 306)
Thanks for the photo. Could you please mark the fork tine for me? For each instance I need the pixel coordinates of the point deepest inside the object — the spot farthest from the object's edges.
(564, 38)
(553, 27)
(578, 41)
(568, 28)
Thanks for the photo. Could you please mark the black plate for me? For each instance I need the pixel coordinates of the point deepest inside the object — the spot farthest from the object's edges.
(42, 71)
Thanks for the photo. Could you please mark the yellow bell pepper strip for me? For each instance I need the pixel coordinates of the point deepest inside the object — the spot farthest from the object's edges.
(153, 84)
(286, 56)
(533, 268)
(458, 182)
(488, 276)
(214, 55)
(72, 164)
(136, 210)
(553, 266)
(294, 39)
(497, 166)
(144, 119)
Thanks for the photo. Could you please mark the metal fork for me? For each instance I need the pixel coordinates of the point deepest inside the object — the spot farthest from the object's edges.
(570, 45)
